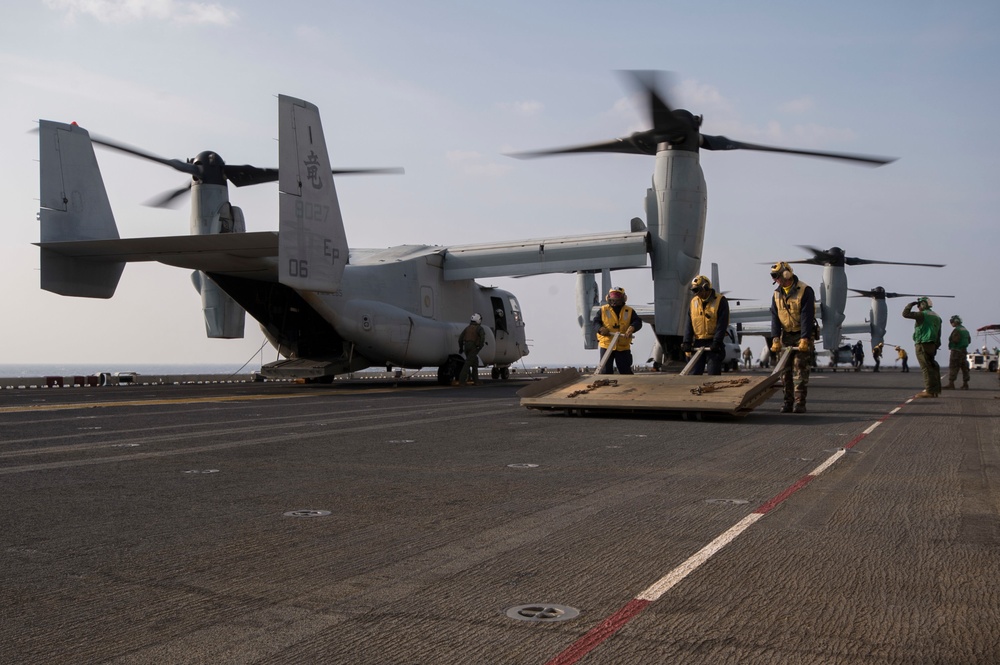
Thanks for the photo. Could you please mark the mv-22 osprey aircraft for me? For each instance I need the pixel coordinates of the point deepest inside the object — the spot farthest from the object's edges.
(832, 294)
(326, 308)
(675, 205)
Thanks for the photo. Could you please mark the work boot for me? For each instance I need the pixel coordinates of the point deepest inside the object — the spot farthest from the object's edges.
(786, 407)
(800, 407)
(924, 394)
(948, 386)
(965, 385)
(454, 382)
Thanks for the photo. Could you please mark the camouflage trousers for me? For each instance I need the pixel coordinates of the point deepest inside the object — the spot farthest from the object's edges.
(958, 359)
(795, 377)
(929, 367)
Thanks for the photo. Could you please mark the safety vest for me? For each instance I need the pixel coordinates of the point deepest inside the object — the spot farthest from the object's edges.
(789, 306)
(963, 341)
(615, 323)
(705, 315)
(929, 330)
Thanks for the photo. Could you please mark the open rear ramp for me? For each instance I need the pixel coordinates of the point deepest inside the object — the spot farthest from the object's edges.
(688, 396)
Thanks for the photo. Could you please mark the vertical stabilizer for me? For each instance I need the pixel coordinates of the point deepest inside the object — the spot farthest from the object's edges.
(74, 206)
(312, 244)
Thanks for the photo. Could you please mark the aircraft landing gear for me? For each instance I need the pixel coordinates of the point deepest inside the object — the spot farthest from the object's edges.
(500, 373)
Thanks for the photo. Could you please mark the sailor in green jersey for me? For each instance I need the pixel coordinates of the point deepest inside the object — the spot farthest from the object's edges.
(926, 342)
(958, 353)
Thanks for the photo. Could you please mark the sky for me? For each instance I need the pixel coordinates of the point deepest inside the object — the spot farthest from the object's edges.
(445, 88)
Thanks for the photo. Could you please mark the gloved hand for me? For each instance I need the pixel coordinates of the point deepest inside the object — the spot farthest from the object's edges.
(718, 347)
(629, 331)
(776, 345)
(602, 330)
(805, 345)
(686, 347)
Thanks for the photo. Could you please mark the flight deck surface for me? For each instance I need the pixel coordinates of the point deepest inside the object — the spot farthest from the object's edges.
(412, 523)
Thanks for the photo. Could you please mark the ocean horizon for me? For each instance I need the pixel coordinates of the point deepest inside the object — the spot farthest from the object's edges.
(17, 370)
(89, 369)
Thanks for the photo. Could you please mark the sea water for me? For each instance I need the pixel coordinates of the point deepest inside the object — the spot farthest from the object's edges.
(89, 369)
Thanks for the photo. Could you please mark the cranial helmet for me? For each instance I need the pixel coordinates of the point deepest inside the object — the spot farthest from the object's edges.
(701, 283)
(617, 293)
(781, 270)
(923, 302)
(476, 318)
(957, 320)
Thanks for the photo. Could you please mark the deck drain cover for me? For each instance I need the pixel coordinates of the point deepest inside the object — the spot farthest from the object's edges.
(731, 502)
(523, 466)
(538, 612)
(202, 471)
(307, 513)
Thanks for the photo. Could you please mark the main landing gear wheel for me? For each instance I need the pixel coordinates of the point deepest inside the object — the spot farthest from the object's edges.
(500, 373)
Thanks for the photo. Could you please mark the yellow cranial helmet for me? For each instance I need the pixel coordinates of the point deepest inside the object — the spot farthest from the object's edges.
(617, 293)
(781, 270)
(701, 283)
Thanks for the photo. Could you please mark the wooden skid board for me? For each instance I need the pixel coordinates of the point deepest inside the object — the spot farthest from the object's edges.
(733, 394)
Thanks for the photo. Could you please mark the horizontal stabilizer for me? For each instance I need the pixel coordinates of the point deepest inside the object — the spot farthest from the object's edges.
(250, 255)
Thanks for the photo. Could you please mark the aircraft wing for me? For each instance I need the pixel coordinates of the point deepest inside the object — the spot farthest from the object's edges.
(855, 328)
(250, 255)
(547, 255)
(254, 255)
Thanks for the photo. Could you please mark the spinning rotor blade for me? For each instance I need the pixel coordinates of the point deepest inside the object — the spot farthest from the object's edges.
(889, 294)
(835, 257)
(669, 124)
(854, 261)
(244, 174)
(169, 199)
(680, 128)
(240, 175)
(725, 143)
(176, 164)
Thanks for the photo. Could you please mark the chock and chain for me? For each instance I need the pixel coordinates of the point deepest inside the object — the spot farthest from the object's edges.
(594, 386)
(713, 386)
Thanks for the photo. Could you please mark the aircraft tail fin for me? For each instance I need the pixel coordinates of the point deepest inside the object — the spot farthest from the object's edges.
(312, 243)
(74, 206)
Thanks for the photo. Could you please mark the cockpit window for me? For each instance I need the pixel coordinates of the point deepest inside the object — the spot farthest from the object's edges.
(515, 309)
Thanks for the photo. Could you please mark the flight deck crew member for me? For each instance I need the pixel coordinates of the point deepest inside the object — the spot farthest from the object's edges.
(958, 353)
(926, 340)
(471, 341)
(707, 326)
(901, 352)
(747, 357)
(617, 317)
(877, 355)
(793, 323)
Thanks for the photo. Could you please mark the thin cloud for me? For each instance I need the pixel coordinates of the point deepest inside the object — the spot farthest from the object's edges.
(473, 163)
(800, 105)
(130, 11)
(526, 108)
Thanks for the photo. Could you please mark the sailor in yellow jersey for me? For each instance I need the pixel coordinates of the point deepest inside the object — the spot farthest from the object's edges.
(793, 324)
(617, 317)
(706, 326)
